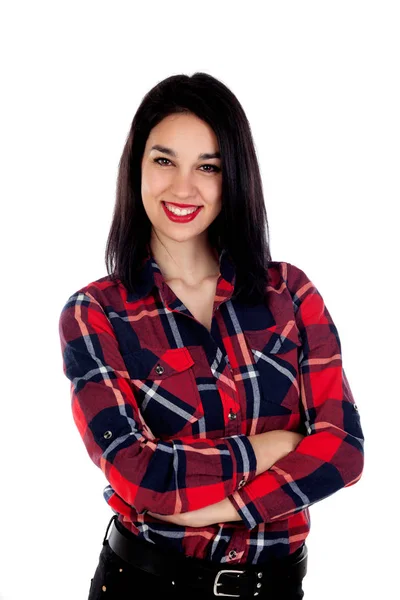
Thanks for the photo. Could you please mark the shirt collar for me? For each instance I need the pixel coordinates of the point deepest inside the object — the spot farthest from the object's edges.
(151, 276)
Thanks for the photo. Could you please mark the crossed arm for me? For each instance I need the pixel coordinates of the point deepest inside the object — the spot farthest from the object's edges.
(269, 447)
(220, 512)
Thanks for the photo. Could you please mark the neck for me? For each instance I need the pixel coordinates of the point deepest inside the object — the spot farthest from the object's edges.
(190, 261)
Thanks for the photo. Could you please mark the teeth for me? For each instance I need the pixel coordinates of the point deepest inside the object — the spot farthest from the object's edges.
(180, 211)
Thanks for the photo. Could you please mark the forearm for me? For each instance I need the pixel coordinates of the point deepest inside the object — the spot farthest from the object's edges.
(271, 446)
(269, 449)
(221, 512)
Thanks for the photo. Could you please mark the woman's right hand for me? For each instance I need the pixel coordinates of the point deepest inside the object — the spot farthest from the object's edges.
(271, 446)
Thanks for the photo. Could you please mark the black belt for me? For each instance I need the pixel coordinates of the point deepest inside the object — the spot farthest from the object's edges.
(232, 580)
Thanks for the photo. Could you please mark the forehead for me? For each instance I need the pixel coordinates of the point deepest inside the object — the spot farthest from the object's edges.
(183, 132)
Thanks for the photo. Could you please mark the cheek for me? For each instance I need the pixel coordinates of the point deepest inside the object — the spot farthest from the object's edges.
(213, 193)
(217, 206)
(212, 200)
(153, 181)
(151, 187)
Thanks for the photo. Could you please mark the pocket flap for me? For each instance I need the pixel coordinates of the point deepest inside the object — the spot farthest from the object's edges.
(277, 339)
(156, 363)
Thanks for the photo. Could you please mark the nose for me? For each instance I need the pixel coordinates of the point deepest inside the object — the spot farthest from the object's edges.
(182, 185)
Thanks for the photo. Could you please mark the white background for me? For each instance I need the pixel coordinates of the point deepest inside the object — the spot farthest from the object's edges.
(319, 82)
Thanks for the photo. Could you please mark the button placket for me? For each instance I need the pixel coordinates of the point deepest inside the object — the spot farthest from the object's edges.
(232, 423)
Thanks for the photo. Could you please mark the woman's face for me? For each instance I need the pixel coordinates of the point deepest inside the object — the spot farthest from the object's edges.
(178, 175)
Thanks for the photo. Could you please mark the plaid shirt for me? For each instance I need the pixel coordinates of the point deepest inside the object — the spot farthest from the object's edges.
(164, 408)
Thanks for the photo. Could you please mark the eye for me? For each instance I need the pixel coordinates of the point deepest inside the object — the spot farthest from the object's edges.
(214, 168)
(160, 158)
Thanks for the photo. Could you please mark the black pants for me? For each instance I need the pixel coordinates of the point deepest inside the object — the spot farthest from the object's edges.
(118, 580)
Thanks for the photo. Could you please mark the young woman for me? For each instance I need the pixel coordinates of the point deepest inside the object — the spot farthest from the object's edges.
(206, 379)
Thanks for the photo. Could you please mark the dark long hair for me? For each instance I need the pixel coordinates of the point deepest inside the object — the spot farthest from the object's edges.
(241, 227)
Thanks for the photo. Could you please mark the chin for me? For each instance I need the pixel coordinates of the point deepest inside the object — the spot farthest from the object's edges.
(181, 237)
(173, 233)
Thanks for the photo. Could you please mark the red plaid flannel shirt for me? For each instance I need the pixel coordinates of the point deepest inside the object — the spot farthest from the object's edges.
(164, 408)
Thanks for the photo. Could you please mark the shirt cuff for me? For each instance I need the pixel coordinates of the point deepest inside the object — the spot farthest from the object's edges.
(245, 459)
(246, 509)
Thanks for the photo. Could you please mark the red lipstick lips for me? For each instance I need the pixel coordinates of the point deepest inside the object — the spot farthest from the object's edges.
(183, 205)
(183, 218)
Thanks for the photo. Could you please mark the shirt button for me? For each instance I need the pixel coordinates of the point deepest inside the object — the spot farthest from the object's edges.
(159, 370)
(242, 482)
(232, 554)
(232, 416)
(107, 434)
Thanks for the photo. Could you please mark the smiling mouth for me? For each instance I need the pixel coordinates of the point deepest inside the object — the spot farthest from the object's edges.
(180, 210)
(180, 216)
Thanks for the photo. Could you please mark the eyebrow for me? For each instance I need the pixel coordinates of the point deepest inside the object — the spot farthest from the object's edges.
(170, 152)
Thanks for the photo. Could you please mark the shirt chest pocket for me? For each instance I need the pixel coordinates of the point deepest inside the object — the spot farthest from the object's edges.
(166, 389)
(275, 355)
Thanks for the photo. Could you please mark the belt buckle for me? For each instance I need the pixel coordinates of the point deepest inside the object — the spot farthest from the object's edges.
(216, 582)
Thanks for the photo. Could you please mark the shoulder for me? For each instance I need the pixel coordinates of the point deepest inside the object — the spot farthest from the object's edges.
(283, 273)
(90, 310)
(105, 292)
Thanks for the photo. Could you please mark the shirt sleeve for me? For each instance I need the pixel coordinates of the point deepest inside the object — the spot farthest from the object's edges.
(331, 455)
(166, 477)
